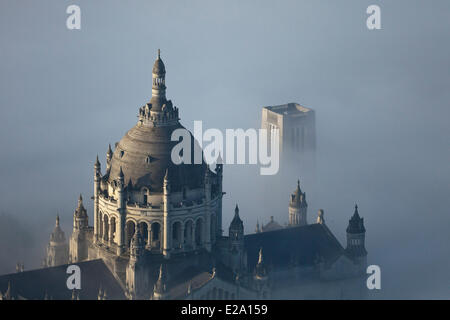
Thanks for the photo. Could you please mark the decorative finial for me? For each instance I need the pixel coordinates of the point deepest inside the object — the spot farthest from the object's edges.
(80, 199)
(260, 258)
(166, 175)
(159, 54)
(236, 210)
(57, 219)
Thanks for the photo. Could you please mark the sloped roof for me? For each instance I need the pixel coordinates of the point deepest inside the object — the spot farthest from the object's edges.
(304, 244)
(51, 282)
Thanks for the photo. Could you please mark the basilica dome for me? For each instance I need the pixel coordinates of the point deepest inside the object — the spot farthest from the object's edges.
(144, 153)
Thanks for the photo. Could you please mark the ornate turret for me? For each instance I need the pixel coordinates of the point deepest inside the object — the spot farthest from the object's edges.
(137, 245)
(80, 217)
(160, 291)
(236, 238)
(159, 111)
(298, 207)
(57, 249)
(137, 275)
(356, 234)
(79, 239)
(236, 229)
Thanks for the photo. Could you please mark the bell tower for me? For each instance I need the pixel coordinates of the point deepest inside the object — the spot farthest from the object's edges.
(298, 207)
(356, 235)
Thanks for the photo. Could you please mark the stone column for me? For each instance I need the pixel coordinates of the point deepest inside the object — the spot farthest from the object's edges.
(149, 237)
(111, 231)
(166, 220)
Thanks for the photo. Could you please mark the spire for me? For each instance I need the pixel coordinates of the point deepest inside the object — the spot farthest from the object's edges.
(356, 214)
(166, 175)
(260, 257)
(298, 190)
(356, 223)
(260, 268)
(158, 99)
(236, 222)
(297, 197)
(109, 154)
(80, 206)
(57, 220)
(80, 215)
(97, 162)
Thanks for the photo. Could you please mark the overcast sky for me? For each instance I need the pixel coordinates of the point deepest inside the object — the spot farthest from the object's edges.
(381, 100)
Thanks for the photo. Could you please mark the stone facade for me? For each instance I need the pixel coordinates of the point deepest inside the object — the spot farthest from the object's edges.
(296, 125)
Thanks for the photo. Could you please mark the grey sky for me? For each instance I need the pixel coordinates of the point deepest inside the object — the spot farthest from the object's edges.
(381, 98)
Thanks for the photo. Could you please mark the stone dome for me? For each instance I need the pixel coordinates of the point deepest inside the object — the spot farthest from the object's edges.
(144, 154)
(158, 66)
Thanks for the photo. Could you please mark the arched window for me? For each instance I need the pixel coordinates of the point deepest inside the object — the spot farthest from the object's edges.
(129, 232)
(143, 228)
(156, 235)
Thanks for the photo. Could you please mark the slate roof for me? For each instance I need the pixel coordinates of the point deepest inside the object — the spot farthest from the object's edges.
(51, 282)
(303, 244)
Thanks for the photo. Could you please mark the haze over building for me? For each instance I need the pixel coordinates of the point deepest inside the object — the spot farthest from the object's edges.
(158, 230)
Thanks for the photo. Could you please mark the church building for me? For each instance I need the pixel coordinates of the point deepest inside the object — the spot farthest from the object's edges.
(157, 230)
